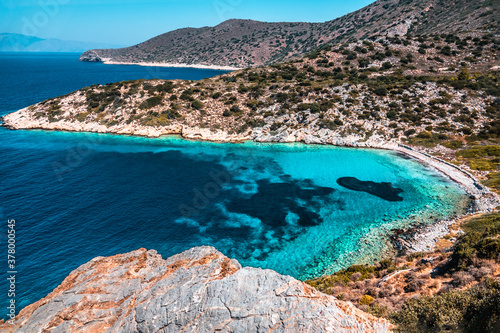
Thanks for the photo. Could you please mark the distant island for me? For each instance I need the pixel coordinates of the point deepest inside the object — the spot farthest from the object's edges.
(10, 42)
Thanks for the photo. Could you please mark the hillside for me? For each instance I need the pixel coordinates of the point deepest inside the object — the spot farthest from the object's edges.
(244, 43)
(454, 288)
(356, 94)
(432, 91)
(21, 43)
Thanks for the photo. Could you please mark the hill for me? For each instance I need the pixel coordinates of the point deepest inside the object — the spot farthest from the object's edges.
(21, 43)
(246, 43)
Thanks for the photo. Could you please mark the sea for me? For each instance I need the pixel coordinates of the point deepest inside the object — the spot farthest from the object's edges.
(71, 197)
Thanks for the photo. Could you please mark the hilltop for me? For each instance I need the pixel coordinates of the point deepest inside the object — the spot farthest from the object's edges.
(246, 43)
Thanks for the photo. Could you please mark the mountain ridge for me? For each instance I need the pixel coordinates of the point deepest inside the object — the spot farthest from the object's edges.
(249, 43)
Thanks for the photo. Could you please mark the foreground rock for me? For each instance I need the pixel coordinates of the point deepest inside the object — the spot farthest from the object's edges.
(199, 290)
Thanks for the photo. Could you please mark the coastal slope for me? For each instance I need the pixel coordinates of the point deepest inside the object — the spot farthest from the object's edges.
(199, 290)
(376, 94)
(247, 43)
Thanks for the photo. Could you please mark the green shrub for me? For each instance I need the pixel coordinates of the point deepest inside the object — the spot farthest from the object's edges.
(386, 65)
(488, 248)
(151, 103)
(366, 300)
(424, 135)
(415, 255)
(474, 310)
(381, 91)
(197, 105)
(363, 62)
(476, 241)
(187, 95)
(409, 132)
(480, 151)
(481, 165)
(454, 144)
(493, 180)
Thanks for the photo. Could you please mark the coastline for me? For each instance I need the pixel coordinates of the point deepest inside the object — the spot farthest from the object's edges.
(420, 238)
(171, 65)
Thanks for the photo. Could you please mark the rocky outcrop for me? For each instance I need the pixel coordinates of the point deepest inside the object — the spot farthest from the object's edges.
(90, 56)
(199, 290)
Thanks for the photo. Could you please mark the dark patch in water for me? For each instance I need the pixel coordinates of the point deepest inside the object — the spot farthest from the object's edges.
(382, 190)
(404, 156)
(273, 201)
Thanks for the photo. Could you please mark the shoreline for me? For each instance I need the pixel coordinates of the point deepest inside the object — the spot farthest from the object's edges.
(415, 239)
(172, 65)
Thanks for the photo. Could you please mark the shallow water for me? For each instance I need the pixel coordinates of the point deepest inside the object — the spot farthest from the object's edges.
(76, 196)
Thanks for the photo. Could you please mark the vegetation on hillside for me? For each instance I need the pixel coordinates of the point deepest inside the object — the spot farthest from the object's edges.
(244, 43)
(450, 290)
(382, 87)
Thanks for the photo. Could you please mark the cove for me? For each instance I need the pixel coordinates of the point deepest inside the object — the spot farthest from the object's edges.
(275, 206)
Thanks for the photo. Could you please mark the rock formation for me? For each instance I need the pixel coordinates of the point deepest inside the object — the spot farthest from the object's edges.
(91, 56)
(199, 290)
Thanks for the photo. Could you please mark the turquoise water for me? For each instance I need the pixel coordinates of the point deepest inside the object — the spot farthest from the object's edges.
(76, 196)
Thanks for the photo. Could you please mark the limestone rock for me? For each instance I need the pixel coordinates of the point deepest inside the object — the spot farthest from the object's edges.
(90, 56)
(199, 290)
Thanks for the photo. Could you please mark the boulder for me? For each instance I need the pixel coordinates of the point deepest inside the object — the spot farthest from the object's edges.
(199, 290)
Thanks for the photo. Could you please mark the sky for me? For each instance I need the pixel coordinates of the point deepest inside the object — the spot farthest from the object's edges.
(128, 22)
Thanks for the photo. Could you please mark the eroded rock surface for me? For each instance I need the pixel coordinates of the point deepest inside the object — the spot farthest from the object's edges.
(199, 290)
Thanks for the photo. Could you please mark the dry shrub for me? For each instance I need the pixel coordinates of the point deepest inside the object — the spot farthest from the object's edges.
(355, 276)
(461, 279)
(414, 286)
(372, 291)
(433, 284)
(359, 285)
(386, 291)
(399, 261)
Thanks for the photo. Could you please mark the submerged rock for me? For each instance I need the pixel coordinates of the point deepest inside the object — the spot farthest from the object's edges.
(199, 290)
(382, 190)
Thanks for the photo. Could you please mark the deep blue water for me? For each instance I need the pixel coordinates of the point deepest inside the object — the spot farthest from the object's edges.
(76, 196)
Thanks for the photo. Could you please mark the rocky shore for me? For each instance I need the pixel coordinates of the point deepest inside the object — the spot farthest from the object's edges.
(482, 199)
(172, 65)
(424, 238)
(199, 290)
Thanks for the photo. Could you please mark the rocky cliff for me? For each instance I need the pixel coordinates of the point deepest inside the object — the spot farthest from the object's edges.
(199, 290)
(244, 43)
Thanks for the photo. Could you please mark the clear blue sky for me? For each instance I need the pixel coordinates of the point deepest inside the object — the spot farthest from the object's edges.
(127, 22)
